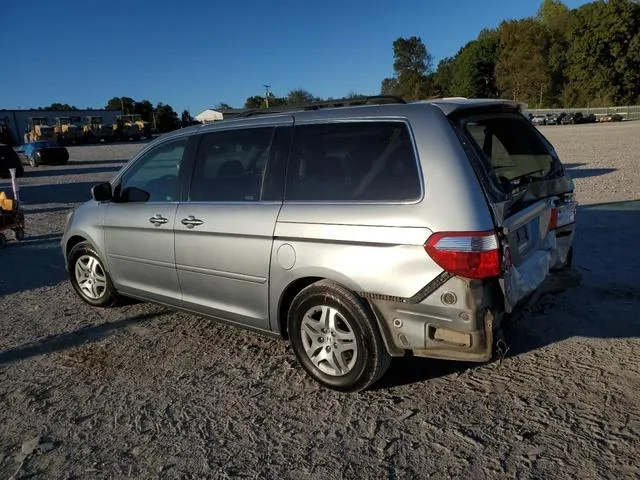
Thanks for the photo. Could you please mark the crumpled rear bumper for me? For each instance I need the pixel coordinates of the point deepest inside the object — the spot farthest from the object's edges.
(521, 281)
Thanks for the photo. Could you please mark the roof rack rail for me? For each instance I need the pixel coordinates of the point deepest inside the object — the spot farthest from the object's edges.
(342, 102)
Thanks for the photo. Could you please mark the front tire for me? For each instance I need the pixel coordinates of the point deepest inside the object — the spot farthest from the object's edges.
(335, 338)
(89, 278)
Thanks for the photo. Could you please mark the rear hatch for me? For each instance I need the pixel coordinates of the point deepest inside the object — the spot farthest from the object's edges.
(530, 195)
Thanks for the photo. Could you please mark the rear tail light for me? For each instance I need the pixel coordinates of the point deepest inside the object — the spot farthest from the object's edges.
(466, 254)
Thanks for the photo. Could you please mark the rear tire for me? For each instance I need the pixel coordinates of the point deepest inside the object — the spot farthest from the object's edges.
(335, 338)
(89, 278)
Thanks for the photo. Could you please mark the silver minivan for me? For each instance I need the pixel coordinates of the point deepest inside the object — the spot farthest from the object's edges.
(357, 232)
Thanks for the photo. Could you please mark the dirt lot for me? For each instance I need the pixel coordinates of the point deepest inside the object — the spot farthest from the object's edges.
(141, 392)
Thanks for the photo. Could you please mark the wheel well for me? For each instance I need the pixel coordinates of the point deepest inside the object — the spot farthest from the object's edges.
(293, 289)
(72, 242)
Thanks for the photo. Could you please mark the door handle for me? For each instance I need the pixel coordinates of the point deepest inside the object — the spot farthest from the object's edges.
(191, 221)
(158, 220)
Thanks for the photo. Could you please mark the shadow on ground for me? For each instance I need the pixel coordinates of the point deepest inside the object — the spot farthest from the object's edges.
(38, 172)
(34, 263)
(98, 162)
(56, 193)
(72, 339)
(33, 211)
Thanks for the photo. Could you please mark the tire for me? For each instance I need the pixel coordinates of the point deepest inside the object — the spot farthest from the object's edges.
(3, 241)
(324, 316)
(19, 234)
(98, 290)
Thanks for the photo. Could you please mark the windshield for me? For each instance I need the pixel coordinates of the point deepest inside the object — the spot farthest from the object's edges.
(513, 151)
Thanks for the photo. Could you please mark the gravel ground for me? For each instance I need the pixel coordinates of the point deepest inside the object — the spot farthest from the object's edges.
(142, 392)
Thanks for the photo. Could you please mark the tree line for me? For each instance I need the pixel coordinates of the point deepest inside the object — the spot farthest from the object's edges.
(561, 57)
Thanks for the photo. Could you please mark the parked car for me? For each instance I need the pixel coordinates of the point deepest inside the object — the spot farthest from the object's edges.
(611, 117)
(572, 119)
(9, 159)
(551, 119)
(358, 233)
(589, 118)
(44, 152)
(539, 120)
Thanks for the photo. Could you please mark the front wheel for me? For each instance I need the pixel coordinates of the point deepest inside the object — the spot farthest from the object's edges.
(89, 278)
(335, 338)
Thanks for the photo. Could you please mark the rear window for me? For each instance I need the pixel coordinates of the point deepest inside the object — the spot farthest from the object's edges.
(512, 149)
(353, 161)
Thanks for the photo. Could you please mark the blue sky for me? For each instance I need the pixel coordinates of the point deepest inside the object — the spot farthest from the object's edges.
(194, 54)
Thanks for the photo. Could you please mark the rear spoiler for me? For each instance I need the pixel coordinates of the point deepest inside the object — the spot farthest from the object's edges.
(456, 105)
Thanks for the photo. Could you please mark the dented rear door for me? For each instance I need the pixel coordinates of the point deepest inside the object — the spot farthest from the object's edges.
(530, 196)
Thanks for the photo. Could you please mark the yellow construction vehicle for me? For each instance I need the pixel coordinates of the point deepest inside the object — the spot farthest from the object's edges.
(143, 127)
(67, 130)
(125, 128)
(38, 128)
(94, 130)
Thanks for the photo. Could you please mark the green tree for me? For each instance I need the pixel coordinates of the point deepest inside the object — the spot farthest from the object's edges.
(166, 118)
(223, 106)
(603, 58)
(555, 18)
(444, 77)
(412, 65)
(411, 55)
(144, 108)
(59, 107)
(254, 102)
(299, 97)
(471, 73)
(389, 86)
(125, 104)
(521, 70)
(186, 118)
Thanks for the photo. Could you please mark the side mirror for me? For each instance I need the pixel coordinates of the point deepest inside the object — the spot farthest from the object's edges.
(102, 192)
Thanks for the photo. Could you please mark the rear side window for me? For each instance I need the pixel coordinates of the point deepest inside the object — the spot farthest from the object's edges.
(353, 161)
(230, 165)
(511, 148)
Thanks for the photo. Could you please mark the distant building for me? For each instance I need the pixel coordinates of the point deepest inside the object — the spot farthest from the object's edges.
(17, 120)
(212, 115)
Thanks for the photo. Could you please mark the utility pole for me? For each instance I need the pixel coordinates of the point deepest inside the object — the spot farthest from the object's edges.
(266, 94)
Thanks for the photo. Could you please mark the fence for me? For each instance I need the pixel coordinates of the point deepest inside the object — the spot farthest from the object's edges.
(628, 113)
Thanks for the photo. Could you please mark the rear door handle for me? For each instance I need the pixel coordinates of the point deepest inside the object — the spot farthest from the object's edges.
(158, 220)
(191, 221)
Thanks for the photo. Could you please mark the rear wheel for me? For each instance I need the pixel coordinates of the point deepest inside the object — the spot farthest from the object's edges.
(3, 241)
(89, 278)
(335, 338)
(19, 234)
